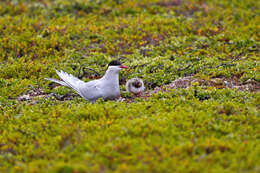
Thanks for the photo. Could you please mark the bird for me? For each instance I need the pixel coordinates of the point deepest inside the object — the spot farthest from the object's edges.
(106, 87)
(135, 86)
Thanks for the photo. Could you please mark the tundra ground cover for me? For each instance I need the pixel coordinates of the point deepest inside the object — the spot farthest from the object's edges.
(197, 129)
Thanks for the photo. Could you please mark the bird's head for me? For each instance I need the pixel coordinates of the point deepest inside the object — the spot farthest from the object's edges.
(116, 65)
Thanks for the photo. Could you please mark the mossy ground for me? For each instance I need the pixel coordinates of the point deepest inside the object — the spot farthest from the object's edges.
(198, 129)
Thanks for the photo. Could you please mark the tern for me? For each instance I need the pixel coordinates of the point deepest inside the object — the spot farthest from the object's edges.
(135, 86)
(106, 87)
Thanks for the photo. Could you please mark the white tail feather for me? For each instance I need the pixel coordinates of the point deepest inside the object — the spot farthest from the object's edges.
(57, 81)
(71, 81)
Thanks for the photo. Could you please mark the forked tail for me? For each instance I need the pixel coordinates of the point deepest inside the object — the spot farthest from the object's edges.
(57, 81)
(69, 80)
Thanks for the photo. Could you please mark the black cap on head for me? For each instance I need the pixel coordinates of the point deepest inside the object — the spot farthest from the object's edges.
(114, 63)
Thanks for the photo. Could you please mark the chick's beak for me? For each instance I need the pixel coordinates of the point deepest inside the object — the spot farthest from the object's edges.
(123, 66)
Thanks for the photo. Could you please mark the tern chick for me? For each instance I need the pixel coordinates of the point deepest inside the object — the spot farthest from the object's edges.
(135, 86)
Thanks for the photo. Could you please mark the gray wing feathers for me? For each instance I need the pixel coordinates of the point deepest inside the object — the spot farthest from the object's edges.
(91, 91)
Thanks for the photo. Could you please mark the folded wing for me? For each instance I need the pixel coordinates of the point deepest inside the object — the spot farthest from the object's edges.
(89, 91)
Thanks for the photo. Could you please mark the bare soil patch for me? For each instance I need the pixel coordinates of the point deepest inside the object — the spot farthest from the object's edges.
(184, 82)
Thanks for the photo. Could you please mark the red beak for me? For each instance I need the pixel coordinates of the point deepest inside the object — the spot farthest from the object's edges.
(123, 66)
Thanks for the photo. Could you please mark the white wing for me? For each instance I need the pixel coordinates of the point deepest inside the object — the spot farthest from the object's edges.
(89, 91)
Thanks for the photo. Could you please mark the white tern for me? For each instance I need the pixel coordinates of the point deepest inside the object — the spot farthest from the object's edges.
(106, 87)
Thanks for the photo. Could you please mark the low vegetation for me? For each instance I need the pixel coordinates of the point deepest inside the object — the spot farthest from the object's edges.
(200, 125)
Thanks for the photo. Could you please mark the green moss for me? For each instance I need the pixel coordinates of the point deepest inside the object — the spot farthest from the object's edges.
(184, 130)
